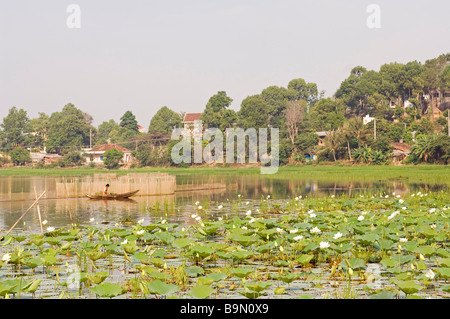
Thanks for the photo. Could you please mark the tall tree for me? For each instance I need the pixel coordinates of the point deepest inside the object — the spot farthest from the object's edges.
(68, 130)
(105, 129)
(305, 91)
(15, 128)
(215, 114)
(294, 113)
(128, 120)
(164, 121)
(39, 129)
(254, 112)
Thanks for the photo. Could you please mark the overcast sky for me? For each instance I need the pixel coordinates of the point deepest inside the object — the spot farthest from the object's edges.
(141, 55)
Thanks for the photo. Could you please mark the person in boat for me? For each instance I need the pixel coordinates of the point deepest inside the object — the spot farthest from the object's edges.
(105, 191)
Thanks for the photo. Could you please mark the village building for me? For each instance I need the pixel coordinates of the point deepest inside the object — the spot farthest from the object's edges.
(44, 157)
(95, 155)
(400, 152)
(191, 121)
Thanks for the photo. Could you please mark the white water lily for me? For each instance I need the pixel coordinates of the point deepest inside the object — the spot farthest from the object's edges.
(140, 221)
(361, 218)
(401, 201)
(299, 237)
(246, 203)
(324, 244)
(293, 231)
(394, 214)
(312, 215)
(337, 235)
(315, 230)
(280, 230)
(220, 207)
(244, 227)
(92, 220)
(296, 198)
(432, 210)
(403, 240)
(430, 274)
(433, 226)
(200, 207)
(140, 232)
(50, 229)
(194, 216)
(6, 257)
(249, 212)
(251, 220)
(124, 242)
(197, 203)
(44, 222)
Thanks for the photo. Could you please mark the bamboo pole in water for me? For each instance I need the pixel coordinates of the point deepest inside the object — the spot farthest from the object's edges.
(20, 218)
(38, 211)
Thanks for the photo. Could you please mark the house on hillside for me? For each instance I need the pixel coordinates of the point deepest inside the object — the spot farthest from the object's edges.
(191, 121)
(95, 155)
(400, 152)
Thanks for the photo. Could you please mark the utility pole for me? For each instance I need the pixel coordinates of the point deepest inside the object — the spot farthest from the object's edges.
(448, 121)
(375, 129)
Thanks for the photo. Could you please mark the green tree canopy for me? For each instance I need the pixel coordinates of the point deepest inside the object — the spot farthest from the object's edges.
(68, 130)
(254, 112)
(128, 120)
(164, 121)
(20, 156)
(15, 128)
(112, 158)
(105, 129)
(215, 114)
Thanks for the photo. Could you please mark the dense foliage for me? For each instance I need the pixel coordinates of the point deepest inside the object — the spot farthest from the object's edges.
(406, 103)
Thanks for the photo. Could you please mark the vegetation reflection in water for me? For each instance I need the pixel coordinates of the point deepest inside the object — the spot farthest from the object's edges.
(384, 246)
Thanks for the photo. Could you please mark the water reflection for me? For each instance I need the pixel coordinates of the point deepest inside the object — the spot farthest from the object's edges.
(17, 194)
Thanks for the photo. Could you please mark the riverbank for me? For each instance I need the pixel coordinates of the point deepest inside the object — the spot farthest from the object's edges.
(426, 173)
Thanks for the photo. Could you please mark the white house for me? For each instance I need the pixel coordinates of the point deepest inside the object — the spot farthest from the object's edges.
(95, 155)
(367, 119)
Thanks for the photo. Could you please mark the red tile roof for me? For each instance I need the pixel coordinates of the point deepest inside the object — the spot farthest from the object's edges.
(105, 147)
(190, 117)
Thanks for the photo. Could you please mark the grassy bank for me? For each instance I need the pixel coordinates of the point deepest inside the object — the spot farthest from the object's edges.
(425, 173)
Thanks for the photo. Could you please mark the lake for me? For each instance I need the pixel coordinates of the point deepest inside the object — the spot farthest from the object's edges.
(177, 201)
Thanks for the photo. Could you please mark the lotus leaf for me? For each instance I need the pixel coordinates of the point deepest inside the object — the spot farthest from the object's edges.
(194, 271)
(409, 287)
(107, 289)
(161, 288)
(201, 291)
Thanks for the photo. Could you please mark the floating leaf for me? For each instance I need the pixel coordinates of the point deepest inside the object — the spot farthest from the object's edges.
(304, 259)
(161, 288)
(409, 287)
(385, 294)
(201, 291)
(194, 271)
(107, 289)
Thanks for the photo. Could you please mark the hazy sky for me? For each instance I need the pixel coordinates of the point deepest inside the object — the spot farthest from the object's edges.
(141, 55)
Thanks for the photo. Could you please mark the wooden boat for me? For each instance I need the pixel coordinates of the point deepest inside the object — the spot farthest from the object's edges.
(113, 196)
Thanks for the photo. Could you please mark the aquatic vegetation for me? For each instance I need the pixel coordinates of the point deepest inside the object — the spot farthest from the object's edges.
(375, 246)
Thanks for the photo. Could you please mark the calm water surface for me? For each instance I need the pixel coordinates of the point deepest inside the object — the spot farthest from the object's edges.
(17, 194)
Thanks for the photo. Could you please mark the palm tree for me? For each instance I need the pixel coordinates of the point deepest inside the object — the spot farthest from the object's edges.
(333, 141)
(421, 149)
(354, 127)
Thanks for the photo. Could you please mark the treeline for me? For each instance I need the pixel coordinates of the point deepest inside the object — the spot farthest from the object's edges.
(409, 103)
